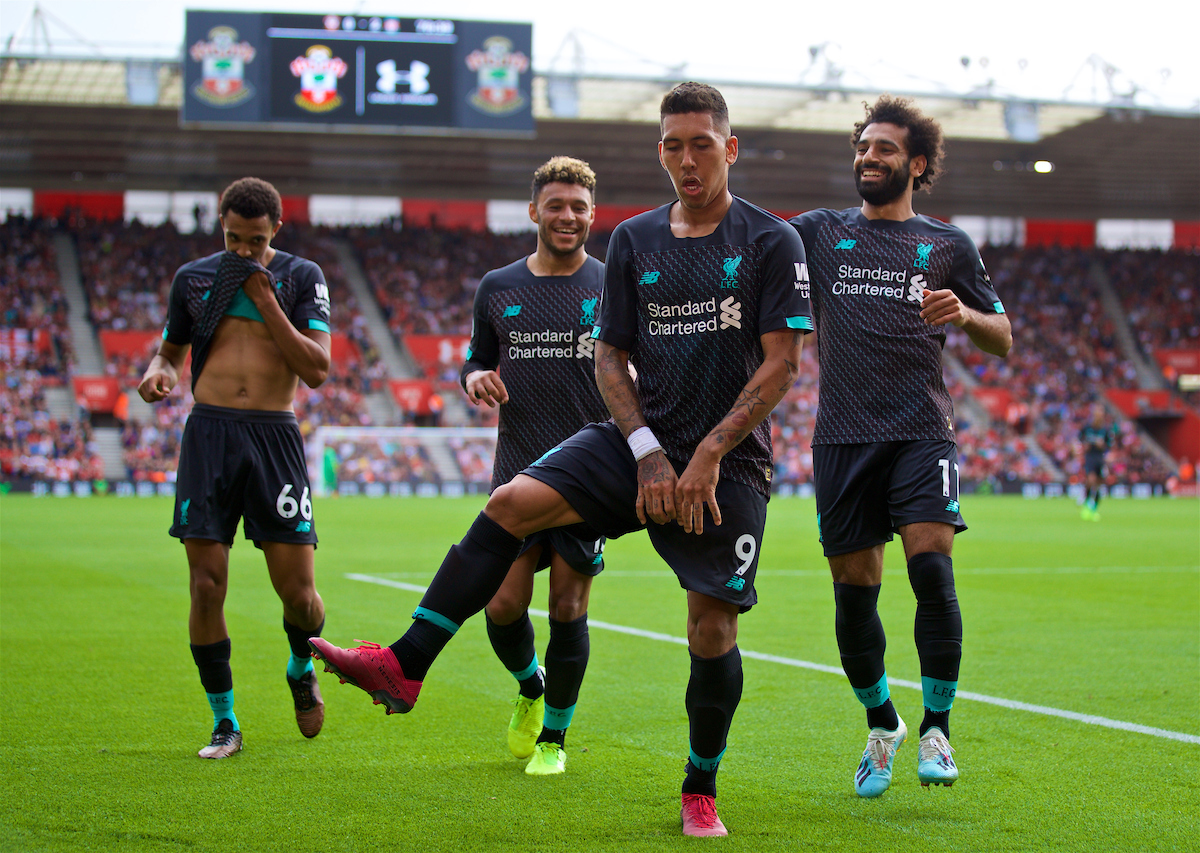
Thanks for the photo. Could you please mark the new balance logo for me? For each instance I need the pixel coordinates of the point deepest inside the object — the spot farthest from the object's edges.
(649, 278)
(511, 311)
(952, 506)
(736, 584)
(731, 314)
(845, 244)
(304, 527)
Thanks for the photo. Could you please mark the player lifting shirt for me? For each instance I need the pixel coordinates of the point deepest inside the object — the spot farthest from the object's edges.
(256, 320)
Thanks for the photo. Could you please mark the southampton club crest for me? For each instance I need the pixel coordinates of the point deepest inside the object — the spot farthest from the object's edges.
(319, 71)
(499, 70)
(223, 61)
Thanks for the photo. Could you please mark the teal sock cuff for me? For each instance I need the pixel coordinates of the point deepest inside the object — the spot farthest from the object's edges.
(222, 707)
(436, 618)
(297, 668)
(938, 695)
(875, 695)
(528, 671)
(706, 764)
(558, 719)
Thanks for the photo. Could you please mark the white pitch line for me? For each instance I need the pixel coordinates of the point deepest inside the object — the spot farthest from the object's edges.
(1089, 719)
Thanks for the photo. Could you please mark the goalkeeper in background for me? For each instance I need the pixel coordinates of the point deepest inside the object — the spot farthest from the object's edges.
(531, 354)
(256, 321)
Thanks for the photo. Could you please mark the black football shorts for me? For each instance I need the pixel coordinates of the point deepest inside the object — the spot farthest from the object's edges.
(247, 465)
(866, 492)
(585, 556)
(595, 472)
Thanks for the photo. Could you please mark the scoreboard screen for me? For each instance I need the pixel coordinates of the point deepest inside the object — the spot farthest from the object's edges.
(357, 72)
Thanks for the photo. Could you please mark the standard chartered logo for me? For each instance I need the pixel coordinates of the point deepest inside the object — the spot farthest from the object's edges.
(585, 346)
(693, 318)
(876, 281)
(916, 286)
(731, 314)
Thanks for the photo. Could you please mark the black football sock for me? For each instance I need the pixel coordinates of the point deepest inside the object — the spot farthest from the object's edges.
(937, 631)
(217, 678)
(566, 661)
(513, 645)
(713, 692)
(301, 659)
(862, 644)
(469, 577)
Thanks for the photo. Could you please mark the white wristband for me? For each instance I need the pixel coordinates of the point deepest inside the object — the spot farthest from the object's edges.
(642, 442)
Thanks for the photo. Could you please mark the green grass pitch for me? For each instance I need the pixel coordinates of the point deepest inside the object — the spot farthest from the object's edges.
(103, 712)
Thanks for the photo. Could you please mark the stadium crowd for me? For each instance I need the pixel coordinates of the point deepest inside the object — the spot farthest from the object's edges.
(1066, 350)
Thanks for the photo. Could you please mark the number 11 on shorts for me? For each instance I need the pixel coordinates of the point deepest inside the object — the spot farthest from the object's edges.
(944, 464)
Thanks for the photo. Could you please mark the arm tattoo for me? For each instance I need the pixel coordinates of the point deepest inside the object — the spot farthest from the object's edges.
(737, 424)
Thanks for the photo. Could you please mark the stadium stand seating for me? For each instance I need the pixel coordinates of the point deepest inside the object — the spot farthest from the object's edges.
(1067, 352)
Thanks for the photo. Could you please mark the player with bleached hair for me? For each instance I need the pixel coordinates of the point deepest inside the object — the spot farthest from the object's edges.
(531, 354)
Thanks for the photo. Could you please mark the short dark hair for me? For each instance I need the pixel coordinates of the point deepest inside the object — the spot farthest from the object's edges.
(563, 170)
(693, 97)
(924, 134)
(251, 198)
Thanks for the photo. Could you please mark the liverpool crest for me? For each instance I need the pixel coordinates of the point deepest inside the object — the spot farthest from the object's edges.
(223, 62)
(499, 70)
(319, 71)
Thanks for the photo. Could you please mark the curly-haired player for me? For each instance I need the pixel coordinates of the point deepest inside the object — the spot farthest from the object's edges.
(885, 284)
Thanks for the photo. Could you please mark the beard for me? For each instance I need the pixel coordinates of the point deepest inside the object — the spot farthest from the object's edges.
(547, 237)
(891, 188)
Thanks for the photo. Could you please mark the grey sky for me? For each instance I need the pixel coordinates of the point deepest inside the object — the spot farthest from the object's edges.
(1028, 48)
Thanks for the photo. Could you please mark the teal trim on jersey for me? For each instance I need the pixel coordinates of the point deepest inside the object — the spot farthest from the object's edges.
(297, 668)
(800, 323)
(527, 671)
(999, 307)
(558, 719)
(436, 618)
(938, 695)
(470, 353)
(705, 764)
(222, 708)
(242, 306)
(875, 695)
(595, 331)
(164, 333)
(319, 325)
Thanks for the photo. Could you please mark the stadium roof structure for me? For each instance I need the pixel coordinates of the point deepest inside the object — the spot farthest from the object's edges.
(111, 124)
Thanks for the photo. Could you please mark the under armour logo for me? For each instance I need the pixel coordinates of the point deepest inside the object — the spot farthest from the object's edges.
(416, 78)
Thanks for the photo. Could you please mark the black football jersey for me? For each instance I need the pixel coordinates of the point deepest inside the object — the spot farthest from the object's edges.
(880, 363)
(299, 285)
(691, 311)
(536, 331)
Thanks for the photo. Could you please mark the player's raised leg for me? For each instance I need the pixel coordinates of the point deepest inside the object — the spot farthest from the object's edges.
(208, 567)
(468, 578)
(512, 637)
